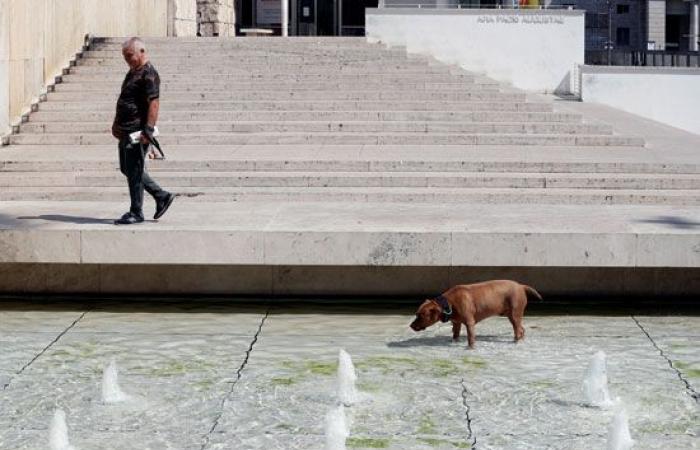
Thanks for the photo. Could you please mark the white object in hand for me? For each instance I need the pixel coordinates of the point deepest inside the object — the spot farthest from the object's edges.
(135, 137)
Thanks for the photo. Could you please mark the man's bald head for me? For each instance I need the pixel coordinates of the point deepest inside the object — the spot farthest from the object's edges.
(134, 52)
(134, 43)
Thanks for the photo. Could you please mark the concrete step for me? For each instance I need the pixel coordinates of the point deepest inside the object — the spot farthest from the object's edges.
(200, 128)
(286, 68)
(271, 74)
(240, 163)
(338, 139)
(676, 197)
(287, 179)
(206, 116)
(92, 88)
(246, 55)
(352, 89)
(320, 105)
(304, 93)
(280, 69)
(352, 158)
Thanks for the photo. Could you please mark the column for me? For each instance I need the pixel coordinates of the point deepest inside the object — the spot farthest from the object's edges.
(656, 27)
(285, 18)
(694, 25)
(4, 67)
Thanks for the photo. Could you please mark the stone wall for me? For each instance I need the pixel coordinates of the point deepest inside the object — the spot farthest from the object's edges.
(39, 37)
(216, 17)
(657, 23)
(534, 50)
(182, 18)
(664, 94)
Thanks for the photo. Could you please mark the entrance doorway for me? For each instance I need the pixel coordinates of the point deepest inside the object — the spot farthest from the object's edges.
(306, 17)
(316, 17)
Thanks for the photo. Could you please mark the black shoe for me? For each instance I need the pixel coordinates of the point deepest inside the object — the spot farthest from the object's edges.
(163, 206)
(128, 219)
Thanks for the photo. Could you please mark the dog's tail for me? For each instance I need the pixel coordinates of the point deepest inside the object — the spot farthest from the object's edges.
(532, 293)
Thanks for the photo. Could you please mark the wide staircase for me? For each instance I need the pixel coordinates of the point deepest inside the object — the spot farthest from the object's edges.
(312, 119)
(356, 127)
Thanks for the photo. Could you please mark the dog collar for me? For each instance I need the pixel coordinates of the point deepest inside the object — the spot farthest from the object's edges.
(446, 312)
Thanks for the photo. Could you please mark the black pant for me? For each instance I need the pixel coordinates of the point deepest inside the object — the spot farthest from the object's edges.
(132, 163)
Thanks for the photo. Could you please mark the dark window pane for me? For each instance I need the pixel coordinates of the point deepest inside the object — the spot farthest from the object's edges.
(623, 36)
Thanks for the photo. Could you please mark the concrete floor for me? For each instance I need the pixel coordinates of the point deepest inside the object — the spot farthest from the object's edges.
(222, 376)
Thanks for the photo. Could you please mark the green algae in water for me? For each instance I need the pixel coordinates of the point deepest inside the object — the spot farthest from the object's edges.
(374, 362)
(443, 367)
(426, 425)
(476, 363)
(443, 442)
(355, 442)
(366, 386)
(176, 367)
(302, 368)
(541, 384)
(203, 385)
(280, 381)
(686, 369)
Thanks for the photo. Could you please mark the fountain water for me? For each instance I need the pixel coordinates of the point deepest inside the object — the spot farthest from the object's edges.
(111, 393)
(58, 433)
(619, 433)
(595, 385)
(347, 393)
(336, 428)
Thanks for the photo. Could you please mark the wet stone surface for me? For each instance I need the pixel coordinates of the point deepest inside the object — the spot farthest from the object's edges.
(217, 376)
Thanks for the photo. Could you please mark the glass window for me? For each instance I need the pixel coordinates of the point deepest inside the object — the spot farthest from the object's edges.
(623, 36)
(623, 9)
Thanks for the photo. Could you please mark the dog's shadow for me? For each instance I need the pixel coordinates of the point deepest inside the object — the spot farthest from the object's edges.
(445, 341)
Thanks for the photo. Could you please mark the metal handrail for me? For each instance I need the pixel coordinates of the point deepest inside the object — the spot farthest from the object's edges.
(649, 58)
(436, 5)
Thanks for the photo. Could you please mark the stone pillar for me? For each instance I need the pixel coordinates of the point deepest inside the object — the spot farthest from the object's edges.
(656, 26)
(285, 17)
(4, 67)
(216, 17)
(182, 18)
(694, 26)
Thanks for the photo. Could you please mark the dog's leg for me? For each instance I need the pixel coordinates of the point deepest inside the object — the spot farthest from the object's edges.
(518, 330)
(456, 328)
(471, 333)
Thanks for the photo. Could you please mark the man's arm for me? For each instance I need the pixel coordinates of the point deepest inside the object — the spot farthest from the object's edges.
(153, 108)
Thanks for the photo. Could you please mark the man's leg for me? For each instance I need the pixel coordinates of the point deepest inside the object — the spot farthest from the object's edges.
(162, 197)
(134, 165)
(158, 193)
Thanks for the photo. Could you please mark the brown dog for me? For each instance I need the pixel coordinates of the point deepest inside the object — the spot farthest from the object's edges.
(472, 303)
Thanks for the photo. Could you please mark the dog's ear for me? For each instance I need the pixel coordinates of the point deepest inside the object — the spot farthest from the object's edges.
(434, 314)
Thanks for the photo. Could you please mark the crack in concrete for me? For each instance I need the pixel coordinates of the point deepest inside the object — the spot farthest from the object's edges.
(689, 389)
(233, 384)
(471, 437)
(38, 355)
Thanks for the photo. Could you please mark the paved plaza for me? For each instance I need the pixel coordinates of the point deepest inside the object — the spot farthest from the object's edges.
(219, 375)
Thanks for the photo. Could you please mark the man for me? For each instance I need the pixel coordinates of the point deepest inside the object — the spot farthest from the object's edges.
(137, 110)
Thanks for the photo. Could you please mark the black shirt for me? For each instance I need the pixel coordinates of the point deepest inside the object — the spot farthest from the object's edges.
(138, 89)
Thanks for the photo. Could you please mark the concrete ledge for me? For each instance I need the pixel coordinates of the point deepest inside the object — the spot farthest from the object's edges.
(355, 234)
(335, 281)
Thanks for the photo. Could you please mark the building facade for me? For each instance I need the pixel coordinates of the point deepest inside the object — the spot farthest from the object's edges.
(668, 25)
(625, 25)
